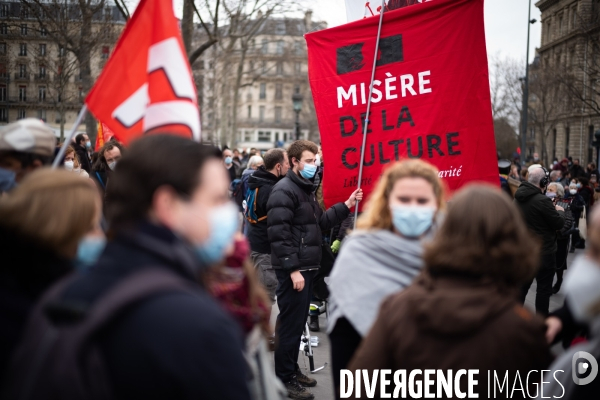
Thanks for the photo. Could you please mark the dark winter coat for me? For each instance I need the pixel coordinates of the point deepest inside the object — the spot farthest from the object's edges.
(27, 270)
(173, 345)
(540, 215)
(451, 323)
(84, 158)
(577, 171)
(264, 181)
(295, 224)
(576, 204)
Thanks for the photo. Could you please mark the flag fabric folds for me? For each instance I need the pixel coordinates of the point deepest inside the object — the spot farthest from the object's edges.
(147, 85)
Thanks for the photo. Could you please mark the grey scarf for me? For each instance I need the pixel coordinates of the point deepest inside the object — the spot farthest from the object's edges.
(371, 266)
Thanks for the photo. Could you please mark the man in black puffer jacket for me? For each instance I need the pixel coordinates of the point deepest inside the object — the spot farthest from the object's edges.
(295, 222)
(543, 219)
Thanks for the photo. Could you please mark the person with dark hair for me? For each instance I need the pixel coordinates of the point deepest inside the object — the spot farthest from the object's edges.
(25, 145)
(276, 166)
(464, 301)
(577, 170)
(169, 222)
(544, 220)
(105, 164)
(82, 147)
(294, 224)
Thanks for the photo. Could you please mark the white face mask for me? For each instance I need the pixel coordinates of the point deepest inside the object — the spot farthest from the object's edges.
(573, 191)
(69, 165)
(112, 165)
(582, 288)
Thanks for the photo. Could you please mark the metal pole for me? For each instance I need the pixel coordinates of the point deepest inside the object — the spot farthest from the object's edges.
(366, 122)
(525, 94)
(297, 125)
(69, 137)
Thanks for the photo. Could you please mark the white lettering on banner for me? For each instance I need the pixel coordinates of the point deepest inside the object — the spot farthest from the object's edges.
(166, 56)
(390, 89)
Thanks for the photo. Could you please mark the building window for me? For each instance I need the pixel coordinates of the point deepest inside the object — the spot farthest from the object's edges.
(263, 91)
(548, 32)
(265, 46)
(42, 93)
(24, 12)
(42, 49)
(296, 88)
(573, 17)
(298, 68)
(3, 93)
(42, 71)
(61, 51)
(567, 140)
(248, 136)
(22, 71)
(261, 114)
(560, 25)
(44, 32)
(278, 91)
(3, 10)
(2, 49)
(105, 52)
(590, 145)
(23, 49)
(22, 93)
(264, 136)
(42, 115)
(3, 73)
(21, 114)
(3, 29)
(299, 48)
(279, 67)
(277, 114)
(81, 94)
(3, 115)
(24, 29)
(249, 112)
(264, 67)
(280, 47)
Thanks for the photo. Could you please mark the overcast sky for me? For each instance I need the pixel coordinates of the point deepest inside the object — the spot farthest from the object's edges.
(505, 24)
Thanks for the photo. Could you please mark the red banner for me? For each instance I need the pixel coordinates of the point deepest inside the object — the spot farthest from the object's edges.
(147, 83)
(431, 95)
(103, 135)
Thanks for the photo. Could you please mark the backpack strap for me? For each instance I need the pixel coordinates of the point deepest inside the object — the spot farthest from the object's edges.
(100, 180)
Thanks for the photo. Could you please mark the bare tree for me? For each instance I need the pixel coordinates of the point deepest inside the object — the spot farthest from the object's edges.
(506, 89)
(79, 26)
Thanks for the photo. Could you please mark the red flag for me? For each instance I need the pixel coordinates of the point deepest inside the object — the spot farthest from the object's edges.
(431, 96)
(147, 83)
(104, 135)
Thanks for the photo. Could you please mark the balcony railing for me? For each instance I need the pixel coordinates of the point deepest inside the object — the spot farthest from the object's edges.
(42, 78)
(19, 77)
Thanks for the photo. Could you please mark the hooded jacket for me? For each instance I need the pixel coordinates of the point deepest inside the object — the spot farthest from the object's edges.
(451, 323)
(295, 223)
(264, 181)
(540, 215)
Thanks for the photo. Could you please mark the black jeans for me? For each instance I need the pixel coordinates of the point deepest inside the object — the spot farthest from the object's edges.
(543, 278)
(293, 311)
(344, 343)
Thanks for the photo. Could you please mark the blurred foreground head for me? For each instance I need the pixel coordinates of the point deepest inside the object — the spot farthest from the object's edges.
(483, 235)
(24, 146)
(178, 184)
(51, 209)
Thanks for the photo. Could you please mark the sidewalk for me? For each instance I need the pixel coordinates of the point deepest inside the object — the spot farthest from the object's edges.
(324, 388)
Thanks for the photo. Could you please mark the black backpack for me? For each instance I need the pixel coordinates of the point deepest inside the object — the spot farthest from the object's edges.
(58, 357)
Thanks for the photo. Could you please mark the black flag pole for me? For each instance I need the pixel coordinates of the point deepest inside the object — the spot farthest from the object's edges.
(366, 122)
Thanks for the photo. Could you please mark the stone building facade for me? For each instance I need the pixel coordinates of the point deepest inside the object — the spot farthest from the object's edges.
(39, 78)
(273, 67)
(569, 46)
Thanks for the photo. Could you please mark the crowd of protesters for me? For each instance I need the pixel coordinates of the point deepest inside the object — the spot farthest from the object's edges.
(150, 271)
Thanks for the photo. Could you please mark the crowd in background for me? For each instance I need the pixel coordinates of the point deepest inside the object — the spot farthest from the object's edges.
(150, 271)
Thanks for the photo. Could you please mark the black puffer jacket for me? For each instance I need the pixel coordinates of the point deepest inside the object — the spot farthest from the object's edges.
(264, 181)
(540, 215)
(295, 222)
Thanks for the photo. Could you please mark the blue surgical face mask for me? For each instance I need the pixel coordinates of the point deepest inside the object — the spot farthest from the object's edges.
(89, 251)
(88, 144)
(309, 171)
(223, 223)
(228, 160)
(7, 180)
(579, 186)
(412, 221)
(551, 194)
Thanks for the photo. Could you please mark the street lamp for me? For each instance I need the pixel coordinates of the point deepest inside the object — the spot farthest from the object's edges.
(297, 100)
(526, 90)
